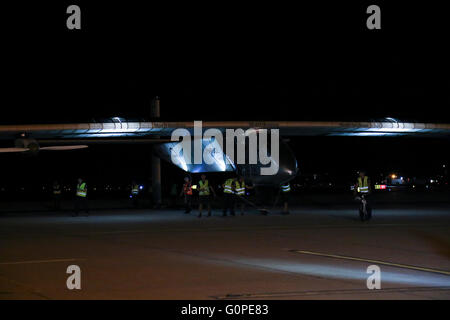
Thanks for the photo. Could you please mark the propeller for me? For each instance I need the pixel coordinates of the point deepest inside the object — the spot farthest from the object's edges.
(6, 150)
(61, 148)
(34, 149)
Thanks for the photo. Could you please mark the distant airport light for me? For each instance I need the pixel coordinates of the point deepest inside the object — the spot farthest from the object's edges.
(380, 186)
(393, 176)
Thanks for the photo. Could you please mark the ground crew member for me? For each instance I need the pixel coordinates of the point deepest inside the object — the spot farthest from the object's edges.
(204, 197)
(363, 188)
(241, 188)
(81, 197)
(173, 196)
(285, 192)
(56, 195)
(134, 194)
(187, 192)
(229, 190)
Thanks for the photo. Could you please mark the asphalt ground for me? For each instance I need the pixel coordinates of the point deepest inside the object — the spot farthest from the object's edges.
(313, 253)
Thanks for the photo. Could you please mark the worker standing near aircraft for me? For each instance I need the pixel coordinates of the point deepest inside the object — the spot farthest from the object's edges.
(241, 188)
(204, 195)
(173, 196)
(187, 192)
(229, 198)
(56, 195)
(362, 186)
(134, 196)
(363, 190)
(81, 197)
(285, 193)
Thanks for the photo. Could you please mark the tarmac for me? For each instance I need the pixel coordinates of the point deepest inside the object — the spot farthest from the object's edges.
(313, 253)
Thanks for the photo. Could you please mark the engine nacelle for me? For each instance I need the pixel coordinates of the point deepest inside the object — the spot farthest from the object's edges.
(27, 143)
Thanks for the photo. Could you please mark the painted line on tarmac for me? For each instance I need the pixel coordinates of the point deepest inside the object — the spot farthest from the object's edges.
(386, 263)
(38, 261)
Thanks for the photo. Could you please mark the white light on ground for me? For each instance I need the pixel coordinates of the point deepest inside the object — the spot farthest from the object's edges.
(407, 277)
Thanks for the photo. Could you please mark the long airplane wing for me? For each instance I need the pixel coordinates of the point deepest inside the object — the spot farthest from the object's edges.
(115, 131)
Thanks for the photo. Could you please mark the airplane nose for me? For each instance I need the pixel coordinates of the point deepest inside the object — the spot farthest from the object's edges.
(288, 162)
(287, 168)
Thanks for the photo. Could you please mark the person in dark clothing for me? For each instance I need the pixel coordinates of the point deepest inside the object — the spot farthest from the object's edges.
(173, 196)
(204, 195)
(134, 194)
(363, 191)
(229, 197)
(285, 190)
(56, 196)
(81, 201)
(186, 191)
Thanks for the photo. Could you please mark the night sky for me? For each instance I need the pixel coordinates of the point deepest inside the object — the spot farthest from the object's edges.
(226, 61)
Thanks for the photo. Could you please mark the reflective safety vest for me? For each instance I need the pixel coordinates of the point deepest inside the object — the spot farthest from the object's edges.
(240, 188)
(363, 186)
(135, 189)
(187, 189)
(204, 188)
(228, 186)
(56, 189)
(286, 187)
(82, 190)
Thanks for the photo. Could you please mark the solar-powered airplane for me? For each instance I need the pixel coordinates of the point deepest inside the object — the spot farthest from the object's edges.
(29, 138)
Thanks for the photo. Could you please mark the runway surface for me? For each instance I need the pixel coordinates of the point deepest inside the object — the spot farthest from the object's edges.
(149, 254)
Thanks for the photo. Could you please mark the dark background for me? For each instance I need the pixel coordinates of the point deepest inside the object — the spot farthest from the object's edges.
(226, 61)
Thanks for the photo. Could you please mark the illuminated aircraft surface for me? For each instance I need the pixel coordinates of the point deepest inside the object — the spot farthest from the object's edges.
(29, 138)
